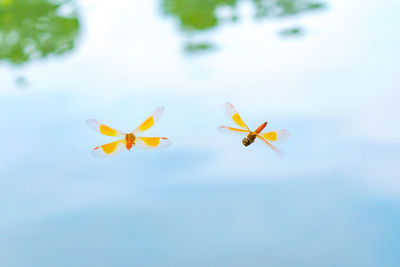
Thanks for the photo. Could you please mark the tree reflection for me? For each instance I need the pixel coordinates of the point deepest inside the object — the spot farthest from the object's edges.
(281, 8)
(291, 32)
(196, 16)
(33, 29)
(192, 47)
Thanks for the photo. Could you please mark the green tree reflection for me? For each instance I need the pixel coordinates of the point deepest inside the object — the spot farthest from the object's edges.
(281, 8)
(200, 15)
(34, 29)
(196, 15)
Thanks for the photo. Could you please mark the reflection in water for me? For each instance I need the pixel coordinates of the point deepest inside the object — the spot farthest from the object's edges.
(195, 16)
(291, 32)
(280, 8)
(21, 82)
(33, 29)
(193, 47)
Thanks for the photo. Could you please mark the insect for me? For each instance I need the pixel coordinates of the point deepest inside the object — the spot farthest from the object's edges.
(252, 136)
(129, 139)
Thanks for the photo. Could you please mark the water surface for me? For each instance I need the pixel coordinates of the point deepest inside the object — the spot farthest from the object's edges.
(327, 71)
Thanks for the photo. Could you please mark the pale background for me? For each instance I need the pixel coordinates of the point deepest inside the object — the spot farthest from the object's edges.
(334, 200)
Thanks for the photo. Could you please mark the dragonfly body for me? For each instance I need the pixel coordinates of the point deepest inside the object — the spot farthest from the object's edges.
(129, 139)
(252, 136)
(249, 139)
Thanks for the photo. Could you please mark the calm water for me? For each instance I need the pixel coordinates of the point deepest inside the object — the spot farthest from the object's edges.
(325, 70)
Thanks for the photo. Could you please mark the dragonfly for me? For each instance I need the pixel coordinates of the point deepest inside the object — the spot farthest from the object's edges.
(251, 136)
(128, 139)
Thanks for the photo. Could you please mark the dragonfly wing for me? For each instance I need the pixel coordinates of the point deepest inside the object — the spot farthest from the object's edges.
(231, 110)
(278, 135)
(110, 149)
(271, 146)
(149, 122)
(104, 129)
(152, 142)
(226, 129)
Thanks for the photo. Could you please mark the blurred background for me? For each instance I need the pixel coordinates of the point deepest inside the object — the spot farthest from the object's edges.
(327, 70)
